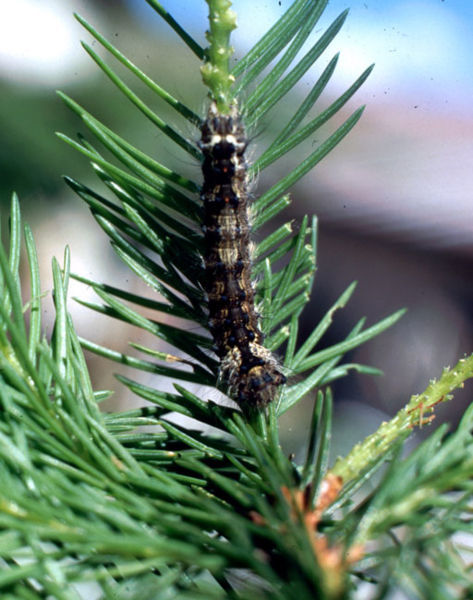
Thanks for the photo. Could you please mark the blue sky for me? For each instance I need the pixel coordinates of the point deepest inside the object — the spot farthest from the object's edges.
(421, 48)
(411, 169)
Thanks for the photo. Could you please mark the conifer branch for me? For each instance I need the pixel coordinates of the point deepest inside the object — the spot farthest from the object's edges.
(185, 497)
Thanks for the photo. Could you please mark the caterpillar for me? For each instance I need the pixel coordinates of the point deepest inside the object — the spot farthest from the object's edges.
(248, 368)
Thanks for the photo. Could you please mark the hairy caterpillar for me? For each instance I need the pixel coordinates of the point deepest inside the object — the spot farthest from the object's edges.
(249, 369)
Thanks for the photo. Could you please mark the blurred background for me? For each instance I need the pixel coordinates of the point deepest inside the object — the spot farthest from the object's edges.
(394, 200)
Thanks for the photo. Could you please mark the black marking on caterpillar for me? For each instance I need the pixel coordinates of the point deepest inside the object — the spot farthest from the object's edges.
(249, 369)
